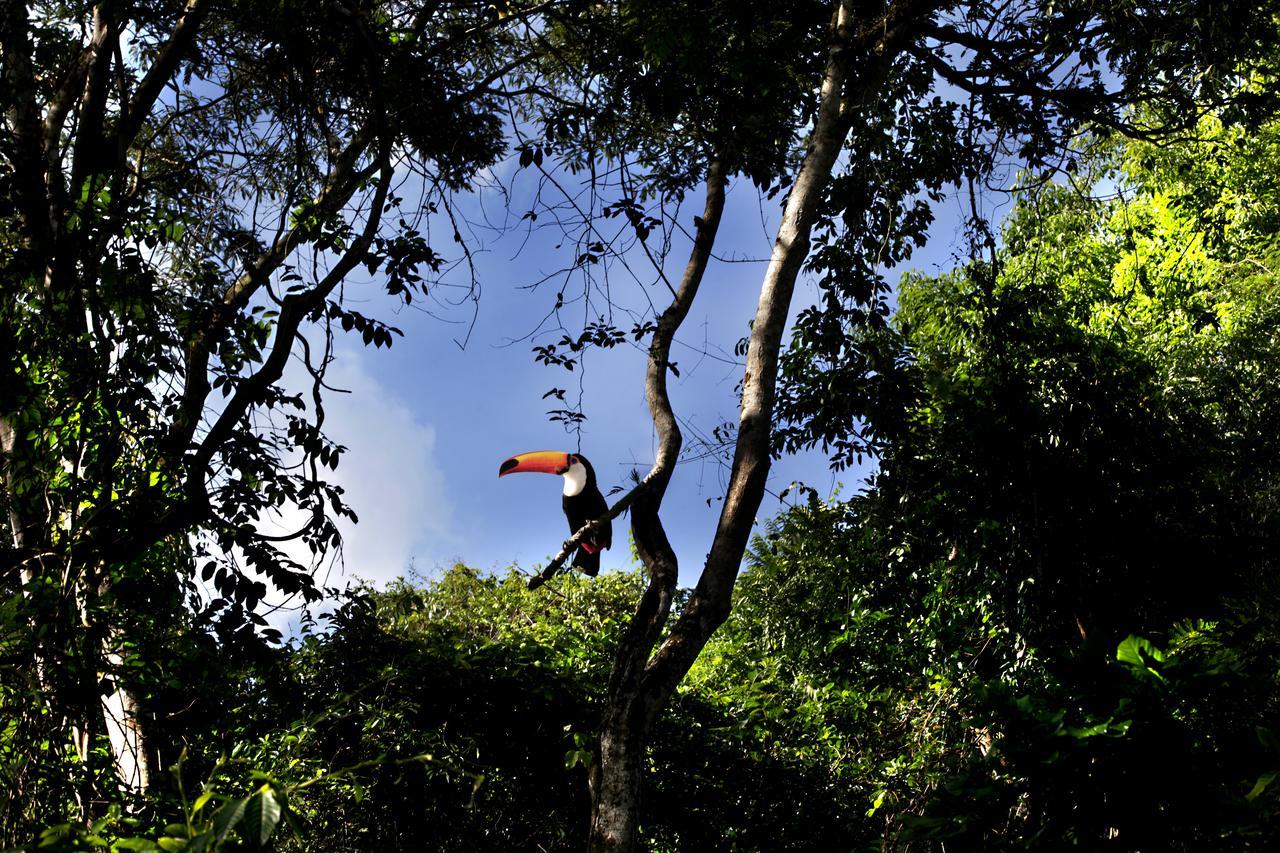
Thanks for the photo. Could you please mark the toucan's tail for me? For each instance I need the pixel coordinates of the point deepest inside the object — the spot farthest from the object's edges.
(587, 562)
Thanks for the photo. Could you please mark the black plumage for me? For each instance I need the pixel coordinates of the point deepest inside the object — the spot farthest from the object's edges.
(588, 505)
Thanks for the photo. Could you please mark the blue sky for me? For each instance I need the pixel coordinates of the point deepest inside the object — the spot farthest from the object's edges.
(428, 422)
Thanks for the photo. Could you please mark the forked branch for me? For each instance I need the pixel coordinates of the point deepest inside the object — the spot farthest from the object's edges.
(664, 420)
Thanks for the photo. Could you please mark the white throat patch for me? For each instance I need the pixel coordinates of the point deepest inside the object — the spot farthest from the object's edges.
(575, 479)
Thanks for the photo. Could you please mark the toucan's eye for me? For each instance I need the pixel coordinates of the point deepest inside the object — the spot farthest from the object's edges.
(573, 460)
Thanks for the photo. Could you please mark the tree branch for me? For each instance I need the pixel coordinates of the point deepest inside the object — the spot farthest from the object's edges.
(293, 310)
(712, 598)
(160, 72)
(73, 82)
(89, 149)
(194, 506)
(338, 189)
(23, 117)
(461, 36)
(1083, 103)
(654, 484)
(587, 531)
(630, 708)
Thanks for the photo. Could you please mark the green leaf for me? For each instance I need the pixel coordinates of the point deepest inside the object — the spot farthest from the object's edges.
(261, 817)
(172, 845)
(200, 843)
(227, 817)
(202, 801)
(1109, 728)
(1138, 652)
(1261, 785)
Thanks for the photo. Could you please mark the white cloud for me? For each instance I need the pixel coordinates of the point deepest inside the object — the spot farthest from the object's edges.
(391, 478)
(390, 475)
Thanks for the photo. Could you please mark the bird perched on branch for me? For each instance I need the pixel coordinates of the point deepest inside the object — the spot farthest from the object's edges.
(582, 500)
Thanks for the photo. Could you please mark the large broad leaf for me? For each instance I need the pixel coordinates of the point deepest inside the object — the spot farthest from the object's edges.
(1262, 784)
(201, 842)
(1138, 652)
(227, 818)
(261, 817)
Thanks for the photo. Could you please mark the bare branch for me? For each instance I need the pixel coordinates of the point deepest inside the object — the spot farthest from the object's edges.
(160, 72)
(587, 531)
(654, 484)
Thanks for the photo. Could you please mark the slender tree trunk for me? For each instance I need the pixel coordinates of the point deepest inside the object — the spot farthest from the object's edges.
(17, 526)
(615, 784)
(643, 681)
(123, 723)
(616, 772)
(115, 713)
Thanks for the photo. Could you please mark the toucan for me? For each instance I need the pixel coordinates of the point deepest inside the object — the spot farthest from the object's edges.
(582, 500)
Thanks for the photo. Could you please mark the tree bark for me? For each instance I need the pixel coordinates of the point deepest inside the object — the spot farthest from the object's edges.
(616, 771)
(124, 726)
(642, 680)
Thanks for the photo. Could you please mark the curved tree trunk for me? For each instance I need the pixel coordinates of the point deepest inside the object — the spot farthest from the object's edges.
(643, 680)
(616, 771)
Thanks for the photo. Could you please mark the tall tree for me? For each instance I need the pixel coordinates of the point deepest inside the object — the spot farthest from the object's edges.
(899, 100)
(185, 189)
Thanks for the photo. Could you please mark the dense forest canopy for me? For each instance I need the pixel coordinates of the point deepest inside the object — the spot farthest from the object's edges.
(1047, 620)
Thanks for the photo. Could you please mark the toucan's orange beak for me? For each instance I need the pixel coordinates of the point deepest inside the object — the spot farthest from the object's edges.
(542, 461)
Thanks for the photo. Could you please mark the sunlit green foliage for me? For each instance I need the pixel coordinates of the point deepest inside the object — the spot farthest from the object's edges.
(184, 189)
(502, 686)
(1070, 542)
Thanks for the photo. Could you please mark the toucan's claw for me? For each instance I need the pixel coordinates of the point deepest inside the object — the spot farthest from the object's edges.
(546, 575)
